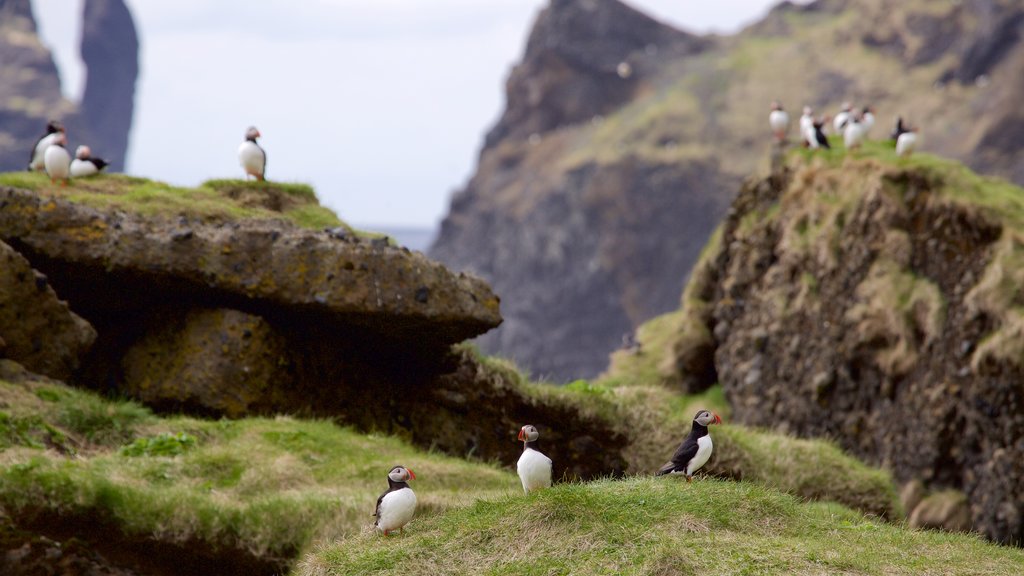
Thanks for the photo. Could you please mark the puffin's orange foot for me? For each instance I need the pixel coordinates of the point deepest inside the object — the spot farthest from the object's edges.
(689, 479)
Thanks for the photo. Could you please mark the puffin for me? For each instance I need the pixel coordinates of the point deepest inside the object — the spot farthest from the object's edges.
(84, 164)
(867, 118)
(807, 126)
(396, 506)
(35, 161)
(841, 119)
(252, 158)
(778, 119)
(854, 133)
(695, 449)
(533, 467)
(815, 135)
(56, 159)
(906, 143)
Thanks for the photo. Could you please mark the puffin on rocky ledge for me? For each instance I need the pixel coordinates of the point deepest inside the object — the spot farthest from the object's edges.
(84, 164)
(36, 161)
(251, 156)
(778, 120)
(695, 449)
(533, 467)
(396, 506)
(56, 159)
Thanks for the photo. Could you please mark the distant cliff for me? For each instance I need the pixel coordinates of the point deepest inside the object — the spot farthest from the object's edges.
(30, 94)
(623, 141)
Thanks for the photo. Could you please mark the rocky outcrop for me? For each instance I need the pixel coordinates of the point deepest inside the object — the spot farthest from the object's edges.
(110, 51)
(873, 304)
(590, 173)
(31, 93)
(36, 328)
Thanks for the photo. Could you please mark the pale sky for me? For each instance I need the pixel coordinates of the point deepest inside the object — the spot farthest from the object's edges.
(381, 105)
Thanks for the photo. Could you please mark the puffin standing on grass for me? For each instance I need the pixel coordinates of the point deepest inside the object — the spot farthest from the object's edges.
(84, 164)
(778, 120)
(695, 449)
(57, 161)
(534, 468)
(854, 133)
(396, 506)
(841, 119)
(35, 161)
(252, 158)
(906, 143)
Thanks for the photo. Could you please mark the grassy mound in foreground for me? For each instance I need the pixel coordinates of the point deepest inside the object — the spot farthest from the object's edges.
(268, 487)
(659, 526)
(215, 200)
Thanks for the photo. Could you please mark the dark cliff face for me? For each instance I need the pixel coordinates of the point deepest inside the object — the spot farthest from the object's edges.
(30, 94)
(872, 304)
(110, 50)
(595, 191)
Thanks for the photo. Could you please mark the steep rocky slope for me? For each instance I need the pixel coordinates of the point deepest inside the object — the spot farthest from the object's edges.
(875, 302)
(607, 172)
(30, 94)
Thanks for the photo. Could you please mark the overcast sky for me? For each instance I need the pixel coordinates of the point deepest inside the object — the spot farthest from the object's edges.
(381, 105)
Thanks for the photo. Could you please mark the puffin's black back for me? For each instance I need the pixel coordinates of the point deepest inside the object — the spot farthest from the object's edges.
(686, 451)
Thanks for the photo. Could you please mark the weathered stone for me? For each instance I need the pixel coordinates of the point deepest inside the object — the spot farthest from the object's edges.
(911, 495)
(122, 262)
(212, 361)
(36, 328)
(947, 510)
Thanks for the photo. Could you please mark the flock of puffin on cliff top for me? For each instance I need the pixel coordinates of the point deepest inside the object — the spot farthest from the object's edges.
(853, 125)
(49, 154)
(397, 505)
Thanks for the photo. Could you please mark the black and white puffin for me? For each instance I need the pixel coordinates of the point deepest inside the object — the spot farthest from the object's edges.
(534, 468)
(56, 160)
(807, 125)
(252, 158)
(778, 120)
(695, 449)
(397, 505)
(898, 129)
(854, 133)
(867, 118)
(85, 164)
(907, 142)
(815, 135)
(35, 161)
(844, 115)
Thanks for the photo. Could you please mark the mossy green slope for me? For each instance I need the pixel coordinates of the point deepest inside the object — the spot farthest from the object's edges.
(659, 526)
(265, 486)
(214, 200)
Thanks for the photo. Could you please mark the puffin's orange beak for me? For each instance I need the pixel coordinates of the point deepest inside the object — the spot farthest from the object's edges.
(412, 475)
(718, 419)
(520, 437)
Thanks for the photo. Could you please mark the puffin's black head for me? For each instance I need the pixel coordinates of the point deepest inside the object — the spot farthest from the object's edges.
(252, 133)
(528, 433)
(401, 474)
(54, 126)
(706, 418)
(868, 110)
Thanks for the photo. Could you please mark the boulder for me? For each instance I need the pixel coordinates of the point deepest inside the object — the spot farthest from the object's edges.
(948, 510)
(36, 328)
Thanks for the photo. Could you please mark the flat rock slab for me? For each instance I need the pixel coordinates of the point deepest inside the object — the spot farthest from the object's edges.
(268, 267)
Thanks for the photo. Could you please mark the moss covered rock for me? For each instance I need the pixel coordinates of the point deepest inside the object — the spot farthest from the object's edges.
(36, 328)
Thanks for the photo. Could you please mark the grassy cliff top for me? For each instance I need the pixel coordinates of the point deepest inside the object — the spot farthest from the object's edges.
(659, 526)
(215, 200)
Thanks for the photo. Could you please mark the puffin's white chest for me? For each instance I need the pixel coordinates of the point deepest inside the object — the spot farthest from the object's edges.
(840, 122)
(57, 162)
(534, 470)
(396, 509)
(778, 120)
(906, 144)
(40, 151)
(811, 137)
(853, 135)
(868, 122)
(80, 168)
(251, 157)
(806, 123)
(704, 447)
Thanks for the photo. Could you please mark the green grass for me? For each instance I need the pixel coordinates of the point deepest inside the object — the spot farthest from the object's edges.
(659, 526)
(269, 486)
(213, 200)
